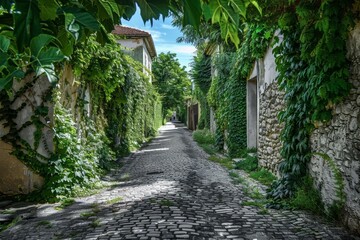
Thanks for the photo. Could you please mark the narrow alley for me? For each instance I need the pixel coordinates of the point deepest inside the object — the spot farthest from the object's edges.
(167, 190)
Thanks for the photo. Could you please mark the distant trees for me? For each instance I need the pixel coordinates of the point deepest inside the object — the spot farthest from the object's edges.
(172, 82)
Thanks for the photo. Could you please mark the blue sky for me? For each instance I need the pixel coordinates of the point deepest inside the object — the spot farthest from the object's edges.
(164, 36)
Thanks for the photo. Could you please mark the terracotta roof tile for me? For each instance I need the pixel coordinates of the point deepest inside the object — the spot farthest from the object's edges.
(128, 31)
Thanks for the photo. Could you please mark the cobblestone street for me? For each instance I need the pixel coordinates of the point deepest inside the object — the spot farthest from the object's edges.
(168, 190)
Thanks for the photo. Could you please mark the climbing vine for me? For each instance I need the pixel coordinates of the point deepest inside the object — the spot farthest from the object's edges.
(201, 75)
(227, 94)
(113, 110)
(313, 72)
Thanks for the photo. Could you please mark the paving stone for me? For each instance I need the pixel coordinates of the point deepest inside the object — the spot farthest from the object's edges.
(185, 197)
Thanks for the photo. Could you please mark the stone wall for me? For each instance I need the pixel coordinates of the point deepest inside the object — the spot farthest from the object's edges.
(270, 103)
(15, 177)
(340, 140)
(269, 145)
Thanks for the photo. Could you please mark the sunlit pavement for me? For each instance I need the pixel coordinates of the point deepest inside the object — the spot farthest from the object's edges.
(168, 190)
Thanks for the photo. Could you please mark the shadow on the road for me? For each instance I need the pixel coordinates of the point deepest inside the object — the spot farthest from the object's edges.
(166, 208)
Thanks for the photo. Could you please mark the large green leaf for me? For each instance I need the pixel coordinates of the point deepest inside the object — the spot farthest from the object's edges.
(87, 20)
(4, 43)
(3, 59)
(49, 56)
(192, 13)
(6, 4)
(48, 9)
(108, 9)
(39, 42)
(49, 70)
(66, 41)
(27, 22)
(82, 17)
(128, 8)
(153, 9)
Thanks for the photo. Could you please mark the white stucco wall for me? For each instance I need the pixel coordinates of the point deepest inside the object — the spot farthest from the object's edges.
(145, 59)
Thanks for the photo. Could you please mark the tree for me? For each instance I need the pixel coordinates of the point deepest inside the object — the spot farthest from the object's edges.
(171, 81)
(38, 33)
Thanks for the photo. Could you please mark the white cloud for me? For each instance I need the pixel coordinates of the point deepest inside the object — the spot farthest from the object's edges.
(167, 26)
(176, 48)
(157, 35)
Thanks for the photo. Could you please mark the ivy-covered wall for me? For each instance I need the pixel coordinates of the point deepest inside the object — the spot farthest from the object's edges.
(102, 107)
(334, 146)
(26, 133)
(340, 140)
(227, 94)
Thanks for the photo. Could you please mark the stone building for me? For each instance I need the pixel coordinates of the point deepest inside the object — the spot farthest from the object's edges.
(339, 139)
(138, 43)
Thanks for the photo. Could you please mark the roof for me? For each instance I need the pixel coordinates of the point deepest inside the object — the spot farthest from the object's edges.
(133, 33)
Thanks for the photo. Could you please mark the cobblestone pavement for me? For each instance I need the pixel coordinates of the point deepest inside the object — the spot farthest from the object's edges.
(168, 190)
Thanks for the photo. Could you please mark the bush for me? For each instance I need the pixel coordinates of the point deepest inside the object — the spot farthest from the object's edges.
(249, 164)
(307, 198)
(204, 136)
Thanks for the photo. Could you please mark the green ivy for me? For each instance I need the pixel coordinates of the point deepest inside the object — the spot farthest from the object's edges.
(121, 92)
(227, 94)
(313, 72)
(201, 75)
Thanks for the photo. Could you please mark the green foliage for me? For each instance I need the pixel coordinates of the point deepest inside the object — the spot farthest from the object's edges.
(171, 81)
(203, 136)
(201, 76)
(114, 200)
(225, 162)
(69, 22)
(131, 105)
(227, 94)
(205, 139)
(313, 71)
(333, 211)
(307, 198)
(249, 164)
(264, 176)
(73, 163)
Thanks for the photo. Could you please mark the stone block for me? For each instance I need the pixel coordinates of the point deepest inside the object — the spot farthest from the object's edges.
(15, 177)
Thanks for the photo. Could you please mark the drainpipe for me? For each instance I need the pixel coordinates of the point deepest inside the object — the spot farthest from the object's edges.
(257, 101)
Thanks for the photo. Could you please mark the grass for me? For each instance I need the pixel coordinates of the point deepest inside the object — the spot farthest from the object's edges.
(125, 177)
(65, 203)
(204, 136)
(87, 214)
(308, 198)
(114, 200)
(225, 162)
(250, 165)
(255, 194)
(3, 227)
(263, 176)
(8, 211)
(206, 140)
(252, 203)
(95, 223)
(237, 179)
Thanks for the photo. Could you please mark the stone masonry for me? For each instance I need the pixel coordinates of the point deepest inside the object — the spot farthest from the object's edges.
(340, 140)
(271, 103)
